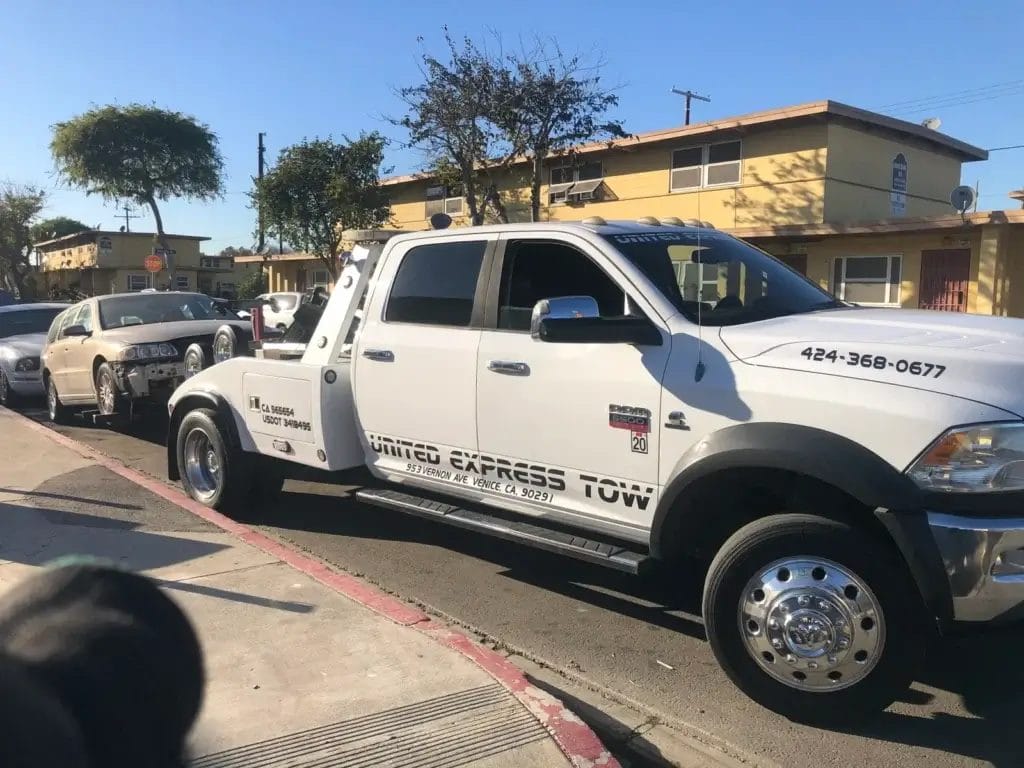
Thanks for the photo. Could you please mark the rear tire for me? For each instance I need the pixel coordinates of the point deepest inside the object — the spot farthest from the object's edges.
(108, 396)
(813, 618)
(212, 471)
(8, 397)
(59, 413)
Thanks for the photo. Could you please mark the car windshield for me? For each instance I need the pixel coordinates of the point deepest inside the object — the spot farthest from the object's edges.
(720, 279)
(149, 308)
(19, 321)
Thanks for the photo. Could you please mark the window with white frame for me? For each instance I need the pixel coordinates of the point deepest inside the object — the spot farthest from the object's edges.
(697, 282)
(575, 183)
(444, 199)
(705, 165)
(869, 280)
(138, 282)
(321, 278)
(181, 282)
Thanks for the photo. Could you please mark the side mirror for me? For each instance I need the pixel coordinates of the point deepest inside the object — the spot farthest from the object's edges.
(76, 330)
(562, 308)
(576, 320)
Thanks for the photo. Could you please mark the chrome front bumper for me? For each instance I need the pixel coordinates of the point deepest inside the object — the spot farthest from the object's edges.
(984, 561)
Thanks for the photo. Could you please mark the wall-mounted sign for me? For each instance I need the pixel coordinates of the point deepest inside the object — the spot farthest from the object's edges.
(105, 244)
(898, 193)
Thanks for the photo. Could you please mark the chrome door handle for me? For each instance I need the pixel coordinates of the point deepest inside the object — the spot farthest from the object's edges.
(380, 355)
(509, 368)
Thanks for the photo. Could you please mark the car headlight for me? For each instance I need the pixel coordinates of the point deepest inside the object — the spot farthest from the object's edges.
(979, 459)
(27, 364)
(147, 352)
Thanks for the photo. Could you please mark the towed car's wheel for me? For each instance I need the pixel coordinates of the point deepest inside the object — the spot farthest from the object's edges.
(195, 360)
(59, 413)
(228, 341)
(8, 397)
(108, 397)
(813, 619)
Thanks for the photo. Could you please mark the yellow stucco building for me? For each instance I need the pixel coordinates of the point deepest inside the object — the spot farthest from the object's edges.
(99, 262)
(858, 201)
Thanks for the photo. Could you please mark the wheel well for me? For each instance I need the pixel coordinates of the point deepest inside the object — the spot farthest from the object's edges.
(96, 363)
(717, 505)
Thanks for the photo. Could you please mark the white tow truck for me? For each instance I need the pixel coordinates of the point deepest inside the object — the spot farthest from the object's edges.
(639, 393)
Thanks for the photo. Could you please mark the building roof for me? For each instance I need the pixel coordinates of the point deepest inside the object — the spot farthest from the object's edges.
(271, 258)
(882, 226)
(93, 233)
(820, 109)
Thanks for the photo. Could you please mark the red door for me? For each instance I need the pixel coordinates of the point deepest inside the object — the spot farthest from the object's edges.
(944, 279)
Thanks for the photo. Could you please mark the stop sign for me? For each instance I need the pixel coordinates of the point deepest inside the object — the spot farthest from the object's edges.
(154, 263)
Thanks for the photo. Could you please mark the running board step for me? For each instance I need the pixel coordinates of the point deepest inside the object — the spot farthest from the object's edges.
(599, 552)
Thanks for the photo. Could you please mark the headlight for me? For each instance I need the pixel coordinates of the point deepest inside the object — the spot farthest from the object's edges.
(147, 352)
(985, 458)
(27, 364)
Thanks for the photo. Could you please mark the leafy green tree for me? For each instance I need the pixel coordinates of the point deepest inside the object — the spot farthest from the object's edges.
(452, 116)
(139, 153)
(252, 285)
(19, 207)
(320, 188)
(553, 103)
(57, 226)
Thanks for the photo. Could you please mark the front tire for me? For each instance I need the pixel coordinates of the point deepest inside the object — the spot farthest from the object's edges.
(813, 619)
(8, 397)
(108, 396)
(212, 471)
(59, 413)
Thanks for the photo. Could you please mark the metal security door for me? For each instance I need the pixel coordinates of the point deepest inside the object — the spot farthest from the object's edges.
(945, 276)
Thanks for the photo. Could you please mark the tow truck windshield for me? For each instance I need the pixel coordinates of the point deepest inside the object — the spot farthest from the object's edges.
(719, 279)
(149, 308)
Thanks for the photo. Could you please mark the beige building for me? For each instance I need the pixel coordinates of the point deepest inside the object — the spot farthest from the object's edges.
(858, 201)
(100, 262)
(290, 271)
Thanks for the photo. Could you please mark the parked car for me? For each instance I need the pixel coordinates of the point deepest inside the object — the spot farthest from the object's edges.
(113, 351)
(279, 308)
(22, 336)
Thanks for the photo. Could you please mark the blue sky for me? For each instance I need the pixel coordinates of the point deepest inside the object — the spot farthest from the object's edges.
(315, 68)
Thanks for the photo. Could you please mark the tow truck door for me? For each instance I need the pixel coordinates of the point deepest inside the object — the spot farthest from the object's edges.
(415, 359)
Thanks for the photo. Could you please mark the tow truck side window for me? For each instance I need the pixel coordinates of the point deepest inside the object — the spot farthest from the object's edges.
(436, 283)
(536, 269)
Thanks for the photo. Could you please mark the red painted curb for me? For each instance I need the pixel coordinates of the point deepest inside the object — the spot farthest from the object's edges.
(577, 741)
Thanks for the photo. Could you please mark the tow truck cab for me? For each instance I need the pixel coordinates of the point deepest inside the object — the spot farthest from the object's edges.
(636, 393)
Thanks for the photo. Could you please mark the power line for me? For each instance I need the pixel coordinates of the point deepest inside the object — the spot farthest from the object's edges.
(959, 102)
(967, 92)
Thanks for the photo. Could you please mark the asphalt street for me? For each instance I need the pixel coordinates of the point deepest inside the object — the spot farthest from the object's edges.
(640, 640)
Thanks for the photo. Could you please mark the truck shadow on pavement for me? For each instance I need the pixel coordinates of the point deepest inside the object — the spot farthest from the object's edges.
(980, 667)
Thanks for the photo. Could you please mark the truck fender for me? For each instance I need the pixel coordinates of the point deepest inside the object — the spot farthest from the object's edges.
(826, 457)
(213, 401)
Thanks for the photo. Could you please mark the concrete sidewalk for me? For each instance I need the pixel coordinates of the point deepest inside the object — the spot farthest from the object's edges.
(299, 674)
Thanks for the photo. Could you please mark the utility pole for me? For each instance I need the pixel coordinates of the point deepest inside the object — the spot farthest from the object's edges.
(127, 216)
(689, 95)
(259, 176)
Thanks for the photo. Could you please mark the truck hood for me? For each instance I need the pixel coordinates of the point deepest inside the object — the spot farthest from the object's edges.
(24, 345)
(156, 332)
(977, 357)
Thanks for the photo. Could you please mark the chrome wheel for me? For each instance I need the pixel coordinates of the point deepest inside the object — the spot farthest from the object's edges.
(107, 395)
(193, 365)
(52, 403)
(202, 465)
(223, 348)
(812, 624)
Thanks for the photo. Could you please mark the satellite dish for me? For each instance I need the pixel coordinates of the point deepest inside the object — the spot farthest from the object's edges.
(932, 123)
(440, 221)
(962, 198)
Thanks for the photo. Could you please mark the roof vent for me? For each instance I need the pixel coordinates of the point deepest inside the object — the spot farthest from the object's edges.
(595, 221)
(672, 221)
(649, 220)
